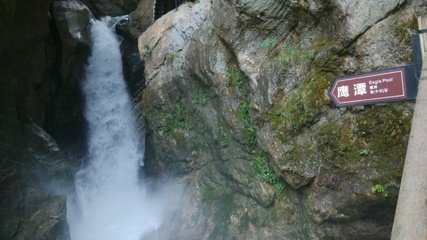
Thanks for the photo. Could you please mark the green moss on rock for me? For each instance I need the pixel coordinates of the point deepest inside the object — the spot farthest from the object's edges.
(300, 109)
(404, 28)
(377, 134)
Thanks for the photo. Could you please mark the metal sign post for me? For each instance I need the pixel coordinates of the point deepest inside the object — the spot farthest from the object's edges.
(410, 221)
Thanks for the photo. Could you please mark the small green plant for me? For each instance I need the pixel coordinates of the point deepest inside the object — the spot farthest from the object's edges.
(208, 196)
(250, 179)
(261, 166)
(365, 152)
(268, 43)
(392, 185)
(378, 188)
(287, 53)
(200, 99)
(286, 200)
(199, 143)
(235, 78)
(223, 138)
(280, 187)
(169, 59)
(243, 114)
(293, 53)
(176, 119)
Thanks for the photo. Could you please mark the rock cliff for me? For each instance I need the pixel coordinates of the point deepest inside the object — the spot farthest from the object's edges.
(43, 49)
(235, 100)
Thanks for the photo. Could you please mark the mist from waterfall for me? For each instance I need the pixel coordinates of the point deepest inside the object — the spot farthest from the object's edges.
(110, 203)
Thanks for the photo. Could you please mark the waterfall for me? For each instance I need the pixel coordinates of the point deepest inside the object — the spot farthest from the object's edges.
(109, 202)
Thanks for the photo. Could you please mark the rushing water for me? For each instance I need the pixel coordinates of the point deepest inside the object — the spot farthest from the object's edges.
(109, 202)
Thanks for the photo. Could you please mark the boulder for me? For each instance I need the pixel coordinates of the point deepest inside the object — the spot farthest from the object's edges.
(72, 20)
(111, 7)
(35, 179)
(71, 31)
(141, 18)
(235, 103)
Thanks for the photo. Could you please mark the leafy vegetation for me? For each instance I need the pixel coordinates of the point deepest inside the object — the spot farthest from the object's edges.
(378, 188)
(243, 114)
(260, 162)
(170, 58)
(201, 98)
(235, 78)
(224, 139)
(177, 118)
(295, 111)
(293, 53)
(208, 195)
(386, 189)
(268, 43)
(199, 143)
(300, 109)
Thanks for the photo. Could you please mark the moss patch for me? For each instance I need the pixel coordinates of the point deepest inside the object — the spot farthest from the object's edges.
(378, 135)
(291, 53)
(300, 109)
(404, 30)
(385, 131)
(374, 138)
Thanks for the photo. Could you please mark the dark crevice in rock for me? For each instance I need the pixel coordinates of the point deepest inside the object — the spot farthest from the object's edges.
(55, 74)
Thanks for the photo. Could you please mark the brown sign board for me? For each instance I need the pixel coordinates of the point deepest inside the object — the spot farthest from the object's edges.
(374, 87)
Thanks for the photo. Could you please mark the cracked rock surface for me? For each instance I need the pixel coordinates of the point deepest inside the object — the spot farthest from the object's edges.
(235, 102)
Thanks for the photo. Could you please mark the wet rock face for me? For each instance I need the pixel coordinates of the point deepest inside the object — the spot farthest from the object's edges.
(236, 106)
(111, 7)
(27, 48)
(139, 20)
(71, 28)
(38, 76)
(72, 19)
(35, 178)
(43, 53)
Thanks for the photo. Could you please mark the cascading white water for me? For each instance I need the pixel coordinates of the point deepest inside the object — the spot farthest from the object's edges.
(109, 202)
